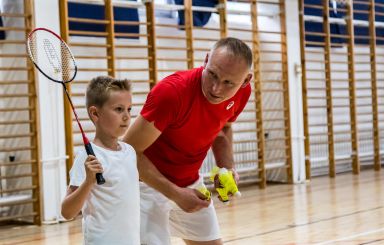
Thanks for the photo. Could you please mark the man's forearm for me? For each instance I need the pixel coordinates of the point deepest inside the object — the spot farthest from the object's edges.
(222, 148)
(150, 175)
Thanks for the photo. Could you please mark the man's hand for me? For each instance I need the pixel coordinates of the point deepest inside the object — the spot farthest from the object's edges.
(236, 176)
(225, 182)
(190, 200)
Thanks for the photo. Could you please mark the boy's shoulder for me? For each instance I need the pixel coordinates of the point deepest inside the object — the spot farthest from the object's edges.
(126, 147)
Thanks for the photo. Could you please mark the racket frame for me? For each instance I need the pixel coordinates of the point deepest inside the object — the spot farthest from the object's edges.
(88, 147)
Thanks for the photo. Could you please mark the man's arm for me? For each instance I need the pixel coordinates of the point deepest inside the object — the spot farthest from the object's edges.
(140, 136)
(222, 148)
(223, 151)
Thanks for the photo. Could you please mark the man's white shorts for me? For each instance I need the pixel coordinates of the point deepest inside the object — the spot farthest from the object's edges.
(162, 218)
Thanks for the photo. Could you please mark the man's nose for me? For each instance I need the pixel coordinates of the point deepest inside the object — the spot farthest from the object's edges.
(216, 87)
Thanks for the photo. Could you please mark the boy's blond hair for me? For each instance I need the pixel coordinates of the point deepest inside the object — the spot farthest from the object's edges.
(99, 89)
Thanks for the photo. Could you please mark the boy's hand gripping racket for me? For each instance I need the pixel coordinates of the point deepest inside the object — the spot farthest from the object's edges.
(53, 58)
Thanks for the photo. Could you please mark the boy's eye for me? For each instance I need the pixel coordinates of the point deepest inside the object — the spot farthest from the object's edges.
(119, 109)
(129, 109)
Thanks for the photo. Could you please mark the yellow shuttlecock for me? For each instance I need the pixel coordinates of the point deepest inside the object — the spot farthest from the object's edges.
(227, 183)
(203, 190)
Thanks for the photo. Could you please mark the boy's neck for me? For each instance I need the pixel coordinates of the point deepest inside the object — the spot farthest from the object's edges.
(110, 144)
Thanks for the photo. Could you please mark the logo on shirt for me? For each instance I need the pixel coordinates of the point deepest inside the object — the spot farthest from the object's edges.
(229, 106)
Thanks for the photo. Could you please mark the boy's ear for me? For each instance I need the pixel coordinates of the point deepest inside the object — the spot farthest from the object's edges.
(93, 113)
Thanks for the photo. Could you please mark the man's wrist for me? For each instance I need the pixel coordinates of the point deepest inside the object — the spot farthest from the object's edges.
(227, 166)
(173, 192)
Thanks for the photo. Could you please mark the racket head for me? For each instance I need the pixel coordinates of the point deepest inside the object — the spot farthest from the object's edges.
(51, 55)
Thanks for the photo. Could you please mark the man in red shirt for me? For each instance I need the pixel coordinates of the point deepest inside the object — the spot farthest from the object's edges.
(184, 115)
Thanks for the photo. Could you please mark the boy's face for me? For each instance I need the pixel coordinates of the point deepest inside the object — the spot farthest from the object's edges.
(114, 116)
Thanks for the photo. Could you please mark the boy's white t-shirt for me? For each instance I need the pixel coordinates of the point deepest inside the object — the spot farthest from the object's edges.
(111, 213)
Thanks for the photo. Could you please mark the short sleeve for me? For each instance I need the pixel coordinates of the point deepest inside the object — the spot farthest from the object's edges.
(77, 173)
(162, 104)
(245, 94)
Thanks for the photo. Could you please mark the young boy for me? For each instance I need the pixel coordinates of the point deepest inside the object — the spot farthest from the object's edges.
(111, 212)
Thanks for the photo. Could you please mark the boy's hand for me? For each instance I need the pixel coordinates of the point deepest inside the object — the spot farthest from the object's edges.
(92, 167)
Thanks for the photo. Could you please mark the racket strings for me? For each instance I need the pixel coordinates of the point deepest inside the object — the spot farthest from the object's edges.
(68, 64)
(52, 56)
(32, 48)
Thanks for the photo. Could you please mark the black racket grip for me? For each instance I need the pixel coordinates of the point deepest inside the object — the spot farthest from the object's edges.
(99, 177)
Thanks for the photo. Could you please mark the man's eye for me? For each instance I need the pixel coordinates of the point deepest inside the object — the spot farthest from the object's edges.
(228, 83)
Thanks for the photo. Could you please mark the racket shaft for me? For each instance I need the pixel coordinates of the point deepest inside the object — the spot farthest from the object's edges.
(99, 177)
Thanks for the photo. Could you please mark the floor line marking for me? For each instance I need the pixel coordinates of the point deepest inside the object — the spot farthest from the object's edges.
(351, 237)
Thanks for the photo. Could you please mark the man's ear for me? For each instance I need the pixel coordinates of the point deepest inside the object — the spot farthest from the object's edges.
(206, 60)
(93, 113)
(247, 80)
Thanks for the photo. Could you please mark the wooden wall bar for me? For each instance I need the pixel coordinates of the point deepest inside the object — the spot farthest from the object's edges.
(328, 85)
(20, 164)
(314, 79)
(352, 88)
(205, 36)
(135, 60)
(258, 97)
(275, 91)
(82, 53)
(173, 45)
(304, 91)
(151, 51)
(223, 18)
(363, 88)
(286, 105)
(34, 116)
(350, 92)
(269, 103)
(108, 55)
(374, 92)
(110, 28)
(379, 56)
(189, 34)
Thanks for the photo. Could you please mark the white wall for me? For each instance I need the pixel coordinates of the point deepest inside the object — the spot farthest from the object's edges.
(295, 92)
(52, 132)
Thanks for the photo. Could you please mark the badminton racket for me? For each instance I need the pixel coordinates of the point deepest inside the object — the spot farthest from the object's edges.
(53, 58)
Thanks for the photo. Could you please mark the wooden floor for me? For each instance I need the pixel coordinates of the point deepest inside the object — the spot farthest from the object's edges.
(345, 210)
